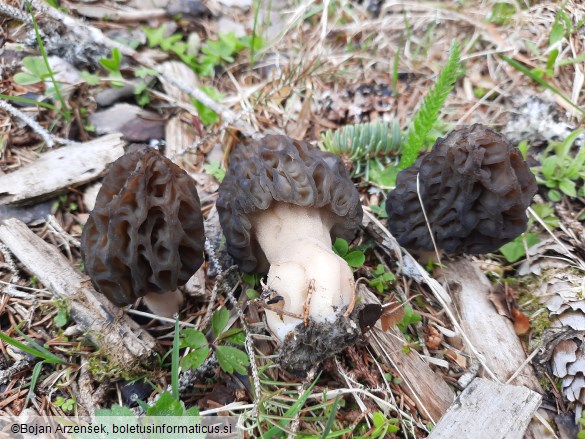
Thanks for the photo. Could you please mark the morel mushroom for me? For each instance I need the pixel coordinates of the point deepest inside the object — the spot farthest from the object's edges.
(475, 188)
(280, 204)
(144, 237)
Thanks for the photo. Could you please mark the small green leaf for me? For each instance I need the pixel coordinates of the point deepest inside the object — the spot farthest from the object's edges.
(554, 195)
(232, 359)
(383, 176)
(556, 33)
(89, 78)
(501, 13)
(154, 36)
(219, 321)
(550, 62)
(515, 249)
(195, 358)
(216, 169)
(206, 114)
(341, 247)
(192, 338)
(410, 317)
(378, 419)
(166, 405)
(24, 78)
(61, 318)
(115, 410)
(252, 294)
(143, 72)
(568, 187)
(355, 258)
(36, 65)
(235, 336)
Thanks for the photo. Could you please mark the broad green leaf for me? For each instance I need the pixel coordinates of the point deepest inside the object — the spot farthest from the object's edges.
(231, 359)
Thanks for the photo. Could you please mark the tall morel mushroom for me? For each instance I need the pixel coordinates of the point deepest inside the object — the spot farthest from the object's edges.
(280, 204)
(475, 188)
(144, 237)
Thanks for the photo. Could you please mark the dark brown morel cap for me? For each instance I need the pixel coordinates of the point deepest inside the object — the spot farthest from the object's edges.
(279, 169)
(145, 233)
(475, 187)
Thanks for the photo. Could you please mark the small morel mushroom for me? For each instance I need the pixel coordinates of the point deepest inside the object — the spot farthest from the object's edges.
(280, 204)
(144, 237)
(475, 188)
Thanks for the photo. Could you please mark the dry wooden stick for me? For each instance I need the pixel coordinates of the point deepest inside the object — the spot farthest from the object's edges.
(428, 390)
(56, 171)
(119, 337)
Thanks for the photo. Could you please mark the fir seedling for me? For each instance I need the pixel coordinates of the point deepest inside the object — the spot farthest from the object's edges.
(362, 142)
(428, 113)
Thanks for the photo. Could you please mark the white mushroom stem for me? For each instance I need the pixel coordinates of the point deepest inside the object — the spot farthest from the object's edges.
(297, 244)
(165, 304)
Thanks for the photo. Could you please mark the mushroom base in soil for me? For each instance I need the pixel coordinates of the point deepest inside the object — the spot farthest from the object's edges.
(311, 280)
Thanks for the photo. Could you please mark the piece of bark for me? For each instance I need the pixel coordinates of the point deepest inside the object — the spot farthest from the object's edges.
(57, 170)
(490, 333)
(179, 135)
(427, 389)
(118, 337)
(488, 410)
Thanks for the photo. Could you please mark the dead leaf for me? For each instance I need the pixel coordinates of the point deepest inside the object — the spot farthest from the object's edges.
(392, 313)
(433, 338)
(457, 358)
(521, 321)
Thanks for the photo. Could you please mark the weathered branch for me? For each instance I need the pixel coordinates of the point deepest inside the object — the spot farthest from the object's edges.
(56, 171)
(489, 410)
(118, 336)
(428, 390)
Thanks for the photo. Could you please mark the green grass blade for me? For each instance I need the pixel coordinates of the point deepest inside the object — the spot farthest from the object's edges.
(65, 111)
(330, 419)
(536, 78)
(33, 382)
(428, 113)
(35, 349)
(175, 362)
(291, 412)
(27, 101)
